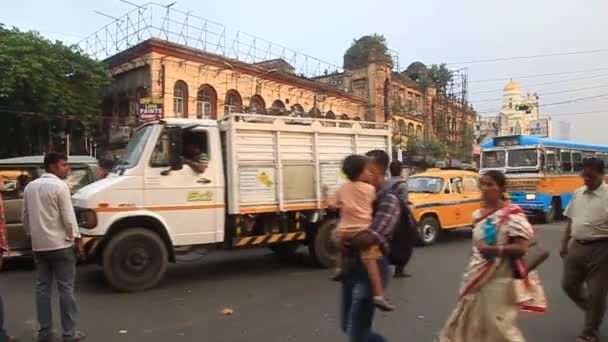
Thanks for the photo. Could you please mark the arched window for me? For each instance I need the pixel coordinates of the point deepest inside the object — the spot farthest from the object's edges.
(278, 104)
(410, 129)
(180, 99)
(257, 104)
(206, 102)
(330, 115)
(314, 113)
(297, 108)
(419, 131)
(233, 102)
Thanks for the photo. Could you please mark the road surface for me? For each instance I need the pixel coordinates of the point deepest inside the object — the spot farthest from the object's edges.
(278, 300)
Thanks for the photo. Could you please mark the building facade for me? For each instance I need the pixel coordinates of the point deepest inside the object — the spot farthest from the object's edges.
(183, 82)
(157, 78)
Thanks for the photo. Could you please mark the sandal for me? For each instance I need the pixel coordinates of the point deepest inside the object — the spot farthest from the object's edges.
(587, 338)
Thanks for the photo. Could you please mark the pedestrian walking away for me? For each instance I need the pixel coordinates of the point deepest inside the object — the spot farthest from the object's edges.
(585, 248)
(399, 186)
(490, 294)
(3, 249)
(357, 295)
(49, 218)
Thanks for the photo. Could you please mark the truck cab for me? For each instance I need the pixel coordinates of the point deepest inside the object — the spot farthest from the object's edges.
(246, 181)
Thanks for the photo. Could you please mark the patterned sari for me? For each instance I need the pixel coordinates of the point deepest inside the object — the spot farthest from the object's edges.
(490, 297)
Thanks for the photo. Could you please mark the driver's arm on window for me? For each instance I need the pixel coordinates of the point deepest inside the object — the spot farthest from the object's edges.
(200, 165)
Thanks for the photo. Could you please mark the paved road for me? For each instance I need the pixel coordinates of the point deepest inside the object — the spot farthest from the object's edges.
(274, 300)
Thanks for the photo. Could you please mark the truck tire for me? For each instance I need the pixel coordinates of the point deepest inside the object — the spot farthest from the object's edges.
(322, 247)
(134, 260)
(428, 231)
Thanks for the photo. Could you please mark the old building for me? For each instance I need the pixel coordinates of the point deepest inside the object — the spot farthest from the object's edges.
(178, 81)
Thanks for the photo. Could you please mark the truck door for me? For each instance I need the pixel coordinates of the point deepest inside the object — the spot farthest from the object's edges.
(190, 200)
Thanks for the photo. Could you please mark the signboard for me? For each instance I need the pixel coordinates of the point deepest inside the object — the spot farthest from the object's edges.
(150, 108)
(539, 128)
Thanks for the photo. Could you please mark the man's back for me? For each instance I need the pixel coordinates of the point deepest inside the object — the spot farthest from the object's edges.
(48, 214)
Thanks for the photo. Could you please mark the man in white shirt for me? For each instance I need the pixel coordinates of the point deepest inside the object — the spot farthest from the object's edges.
(585, 248)
(49, 218)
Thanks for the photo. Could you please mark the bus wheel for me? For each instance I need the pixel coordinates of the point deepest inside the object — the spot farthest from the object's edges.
(322, 245)
(428, 231)
(554, 212)
(135, 260)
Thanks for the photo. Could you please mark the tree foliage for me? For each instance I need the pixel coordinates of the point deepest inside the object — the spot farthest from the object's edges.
(37, 75)
(365, 49)
(429, 148)
(441, 76)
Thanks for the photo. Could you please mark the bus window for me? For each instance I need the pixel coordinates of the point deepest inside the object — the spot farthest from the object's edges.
(566, 161)
(551, 162)
(491, 159)
(523, 158)
(577, 161)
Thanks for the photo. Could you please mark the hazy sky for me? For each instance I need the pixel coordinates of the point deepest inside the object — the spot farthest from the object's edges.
(431, 31)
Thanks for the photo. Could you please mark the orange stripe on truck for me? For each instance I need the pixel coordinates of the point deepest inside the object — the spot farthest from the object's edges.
(159, 208)
(293, 207)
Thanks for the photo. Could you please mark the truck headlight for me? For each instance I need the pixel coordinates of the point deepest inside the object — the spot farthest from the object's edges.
(86, 218)
(530, 197)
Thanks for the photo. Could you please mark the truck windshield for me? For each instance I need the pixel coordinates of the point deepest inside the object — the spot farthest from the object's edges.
(523, 158)
(430, 185)
(135, 148)
(493, 159)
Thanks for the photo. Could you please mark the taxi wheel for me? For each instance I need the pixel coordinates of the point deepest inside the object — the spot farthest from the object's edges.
(428, 231)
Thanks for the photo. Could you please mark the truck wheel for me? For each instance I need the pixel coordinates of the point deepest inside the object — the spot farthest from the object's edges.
(134, 260)
(428, 231)
(322, 245)
(554, 212)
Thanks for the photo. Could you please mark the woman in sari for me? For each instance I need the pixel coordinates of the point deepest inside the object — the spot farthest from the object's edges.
(490, 295)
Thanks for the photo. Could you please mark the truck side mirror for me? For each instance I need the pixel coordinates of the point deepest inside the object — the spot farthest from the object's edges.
(176, 162)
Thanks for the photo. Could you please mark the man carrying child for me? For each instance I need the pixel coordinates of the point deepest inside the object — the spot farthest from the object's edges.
(357, 291)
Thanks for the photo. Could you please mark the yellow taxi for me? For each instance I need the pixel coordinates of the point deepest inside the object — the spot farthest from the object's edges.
(442, 200)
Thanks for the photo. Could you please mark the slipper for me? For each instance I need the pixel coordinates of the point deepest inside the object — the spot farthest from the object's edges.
(587, 338)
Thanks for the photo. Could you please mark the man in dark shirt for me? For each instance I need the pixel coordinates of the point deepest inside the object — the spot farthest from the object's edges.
(357, 303)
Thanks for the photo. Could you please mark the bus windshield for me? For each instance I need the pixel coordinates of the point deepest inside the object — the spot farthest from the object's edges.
(493, 159)
(523, 158)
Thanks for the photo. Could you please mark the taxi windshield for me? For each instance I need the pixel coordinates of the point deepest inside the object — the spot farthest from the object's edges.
(431, 185)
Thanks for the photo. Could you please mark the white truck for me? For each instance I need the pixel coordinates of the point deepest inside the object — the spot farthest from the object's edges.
(262, 187)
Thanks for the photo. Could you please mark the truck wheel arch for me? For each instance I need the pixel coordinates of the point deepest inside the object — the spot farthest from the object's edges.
(141, 221)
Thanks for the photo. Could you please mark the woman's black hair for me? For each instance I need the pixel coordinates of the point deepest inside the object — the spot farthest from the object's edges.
(353, 166)
(498, 178)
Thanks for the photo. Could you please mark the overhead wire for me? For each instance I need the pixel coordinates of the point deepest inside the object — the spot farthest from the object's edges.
(512, 58)
(502, 79)
(551, 93)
